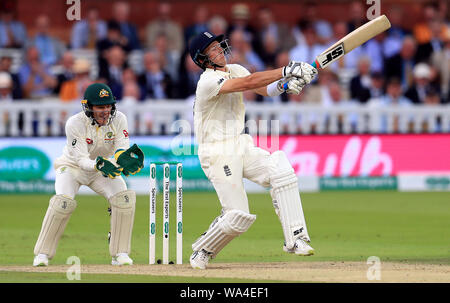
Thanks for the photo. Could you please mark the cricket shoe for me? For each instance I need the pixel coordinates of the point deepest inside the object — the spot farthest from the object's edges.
(40, 260)
(200, 259)
(122, 259)
(301, 248)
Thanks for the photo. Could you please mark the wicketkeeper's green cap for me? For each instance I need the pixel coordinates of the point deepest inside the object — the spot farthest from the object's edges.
(98, 94)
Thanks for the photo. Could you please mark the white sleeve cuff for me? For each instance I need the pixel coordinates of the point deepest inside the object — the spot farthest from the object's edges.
(87, 164)
(274, 89)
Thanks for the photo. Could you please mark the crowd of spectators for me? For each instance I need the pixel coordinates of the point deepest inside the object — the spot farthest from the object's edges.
(399, 66)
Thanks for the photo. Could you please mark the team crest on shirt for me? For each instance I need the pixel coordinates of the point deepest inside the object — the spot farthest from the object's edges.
(125, 133)
(103, 93)
(89, 141)
(109, 137)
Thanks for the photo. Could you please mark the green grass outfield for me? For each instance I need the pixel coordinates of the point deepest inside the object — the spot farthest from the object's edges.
(344, 226)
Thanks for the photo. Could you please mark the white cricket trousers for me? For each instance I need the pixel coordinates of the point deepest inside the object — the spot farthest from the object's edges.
(69, 179)
(226, 163)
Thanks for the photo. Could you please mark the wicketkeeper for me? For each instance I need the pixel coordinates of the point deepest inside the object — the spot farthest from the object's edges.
(93, 137)
(227, 155)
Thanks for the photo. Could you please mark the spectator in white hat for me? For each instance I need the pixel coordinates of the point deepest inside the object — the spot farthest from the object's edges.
(240, 20)
(422, 78)
(5, 87)
(6, 62)
(217, 25)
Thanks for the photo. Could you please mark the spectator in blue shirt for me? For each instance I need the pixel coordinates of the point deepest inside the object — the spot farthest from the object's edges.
(12, 33)
(394, 97)
(243, 52)
(121, 13)
(395, 94)
(86, 32)
(395, 34)
(307, 50)
(35, 78)
(323, 28)
(50, 48)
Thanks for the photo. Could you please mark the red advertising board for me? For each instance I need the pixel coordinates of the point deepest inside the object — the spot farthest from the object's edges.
(363, 155)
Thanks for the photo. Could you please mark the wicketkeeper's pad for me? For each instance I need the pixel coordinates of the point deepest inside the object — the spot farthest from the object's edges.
(123, 205)
(58, 213)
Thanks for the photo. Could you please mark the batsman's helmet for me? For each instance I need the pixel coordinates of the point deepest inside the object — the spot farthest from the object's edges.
(98, 94)
(198, 45)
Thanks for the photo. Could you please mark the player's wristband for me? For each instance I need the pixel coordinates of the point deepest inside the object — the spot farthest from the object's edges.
(275, 89)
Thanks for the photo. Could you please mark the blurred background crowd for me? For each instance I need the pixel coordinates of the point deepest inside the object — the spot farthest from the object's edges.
(407, 65)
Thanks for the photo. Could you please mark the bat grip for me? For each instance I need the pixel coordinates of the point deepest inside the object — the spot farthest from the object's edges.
(315, 65)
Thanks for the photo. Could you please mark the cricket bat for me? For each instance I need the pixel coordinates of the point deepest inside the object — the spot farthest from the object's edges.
(356, 38)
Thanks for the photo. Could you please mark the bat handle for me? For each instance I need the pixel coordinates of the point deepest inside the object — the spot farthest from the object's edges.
(315, 65)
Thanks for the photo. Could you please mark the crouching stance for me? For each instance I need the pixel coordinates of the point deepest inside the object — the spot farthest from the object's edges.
(227, 156)
(93, 135)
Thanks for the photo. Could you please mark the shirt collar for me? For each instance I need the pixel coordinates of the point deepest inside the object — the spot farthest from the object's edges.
(227, 73)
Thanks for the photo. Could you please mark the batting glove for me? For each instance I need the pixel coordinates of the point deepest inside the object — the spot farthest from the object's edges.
(301, 70)
(291, 85)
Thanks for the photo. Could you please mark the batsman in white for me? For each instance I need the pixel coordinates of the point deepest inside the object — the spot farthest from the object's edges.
(93, 135)
(227, 155)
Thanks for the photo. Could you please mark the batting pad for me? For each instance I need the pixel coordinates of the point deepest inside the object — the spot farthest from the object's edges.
(123, 205)
(58, 213)
(224, 229)
(287, 203)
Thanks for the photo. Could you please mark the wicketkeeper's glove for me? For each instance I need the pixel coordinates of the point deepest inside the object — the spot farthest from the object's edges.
(107, 168)
(131, 160)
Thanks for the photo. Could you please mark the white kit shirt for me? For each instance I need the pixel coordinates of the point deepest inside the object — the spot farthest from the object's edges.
(85, 142)
(218, 117)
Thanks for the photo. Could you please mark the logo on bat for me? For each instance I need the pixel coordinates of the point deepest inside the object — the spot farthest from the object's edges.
(333, 54)
(227, 170)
